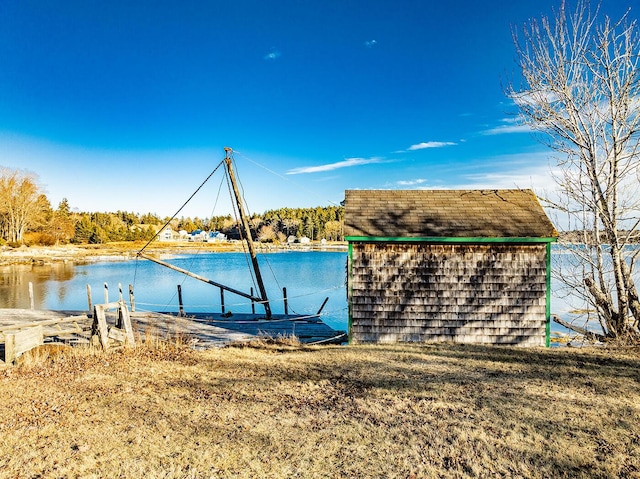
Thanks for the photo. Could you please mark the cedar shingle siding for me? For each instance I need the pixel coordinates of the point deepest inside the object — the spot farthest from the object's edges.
(448, 265)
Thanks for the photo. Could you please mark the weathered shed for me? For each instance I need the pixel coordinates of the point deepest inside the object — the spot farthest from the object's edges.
(468, 266)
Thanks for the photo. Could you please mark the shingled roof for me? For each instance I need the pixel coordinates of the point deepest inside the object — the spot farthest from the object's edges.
(446, 214)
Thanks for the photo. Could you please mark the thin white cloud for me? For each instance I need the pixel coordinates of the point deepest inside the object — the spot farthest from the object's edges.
(535, 178)
(506, 129)
(531, 98)
(520, 170)
(509, 125)
(272, 55)
(370, 43)
(431, 144)
(416, 182)
(349, 162)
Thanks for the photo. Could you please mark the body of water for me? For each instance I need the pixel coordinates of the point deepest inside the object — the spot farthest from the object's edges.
(309, 278)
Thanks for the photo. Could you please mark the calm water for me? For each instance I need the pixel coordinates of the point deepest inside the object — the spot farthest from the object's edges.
(309, 277)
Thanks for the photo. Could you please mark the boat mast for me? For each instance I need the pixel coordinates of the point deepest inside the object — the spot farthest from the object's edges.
(247, 233)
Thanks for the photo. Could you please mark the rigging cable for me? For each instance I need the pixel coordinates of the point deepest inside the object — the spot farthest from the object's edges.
(173, 217)
(181, 208)
(201, 248)
(235, 212)
(286, 179)
(198, 250)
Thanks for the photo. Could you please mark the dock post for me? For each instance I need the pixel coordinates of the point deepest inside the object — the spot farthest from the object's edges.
(106, 293)
(132, 300)
(89, 299)
(253, 303)
(31, 300)
(286, 302)
(180, 300)
(120, 291)
(222, 299)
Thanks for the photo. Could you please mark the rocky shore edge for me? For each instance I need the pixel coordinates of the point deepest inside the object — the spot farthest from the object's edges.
(126, 251)
(57, 254)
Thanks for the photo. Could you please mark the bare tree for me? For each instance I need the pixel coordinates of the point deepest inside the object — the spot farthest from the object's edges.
(581, 92)
(22, 204)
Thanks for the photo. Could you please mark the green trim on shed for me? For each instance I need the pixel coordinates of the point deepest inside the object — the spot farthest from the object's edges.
(349, 292)
(448, 240)
(548, 311)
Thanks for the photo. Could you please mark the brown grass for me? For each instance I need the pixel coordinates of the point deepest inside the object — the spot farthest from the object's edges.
(283, 410)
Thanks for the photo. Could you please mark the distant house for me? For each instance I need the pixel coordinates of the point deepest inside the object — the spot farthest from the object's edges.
(198, 235)
(304, 240)
(168, 234)
(469, 266)
(216, 236)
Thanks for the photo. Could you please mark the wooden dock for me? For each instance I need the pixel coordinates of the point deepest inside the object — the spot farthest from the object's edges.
(202, 331)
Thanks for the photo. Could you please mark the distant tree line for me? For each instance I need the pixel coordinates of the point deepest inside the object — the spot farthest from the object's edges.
(591, 238)
(314, 223)
(26, 217)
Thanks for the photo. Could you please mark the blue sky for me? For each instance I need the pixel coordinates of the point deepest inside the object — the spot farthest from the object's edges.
(127, 105)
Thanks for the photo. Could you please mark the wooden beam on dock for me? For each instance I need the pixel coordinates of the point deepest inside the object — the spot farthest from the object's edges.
(19, 342)
(200, 278)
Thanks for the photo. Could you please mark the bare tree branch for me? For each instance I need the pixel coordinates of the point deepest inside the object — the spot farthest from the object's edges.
(581, 90)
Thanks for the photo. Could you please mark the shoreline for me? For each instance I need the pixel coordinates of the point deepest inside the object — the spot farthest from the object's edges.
(125, 251)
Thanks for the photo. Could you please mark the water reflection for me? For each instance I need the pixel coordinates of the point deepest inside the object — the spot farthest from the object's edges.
(15, 279)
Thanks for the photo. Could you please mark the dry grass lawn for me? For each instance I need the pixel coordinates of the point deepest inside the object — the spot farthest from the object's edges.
(358, 411)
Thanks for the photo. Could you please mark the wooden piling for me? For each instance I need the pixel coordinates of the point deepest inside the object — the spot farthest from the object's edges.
(119, 316)
(253, 303)
(132, 300)
(286, 302)
(31, 299)
(180, 300)
(106, 293)
(89, 299)
(222, 299)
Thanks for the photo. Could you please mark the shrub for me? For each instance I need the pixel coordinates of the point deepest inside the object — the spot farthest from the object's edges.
(39, 239)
